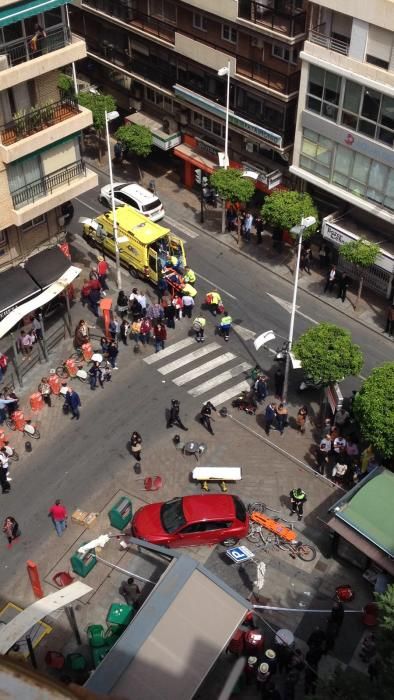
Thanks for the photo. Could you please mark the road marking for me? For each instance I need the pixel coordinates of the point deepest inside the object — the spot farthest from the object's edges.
(219, 379)
(287, 305)
(216, 286)
(243, 333)
(191, 357)
(182, 227)
(169, 350)
(225, 395)
(206, 367)
(85, 204)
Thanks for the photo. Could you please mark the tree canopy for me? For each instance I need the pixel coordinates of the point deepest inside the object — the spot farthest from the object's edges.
(284, 209)
(231, 185)
(328, 354)
(374, 409)
(135, 138)
(98, 105)
(360, 253)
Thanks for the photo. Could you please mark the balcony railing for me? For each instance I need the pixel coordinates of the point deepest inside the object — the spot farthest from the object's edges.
(45, 185)
(147, 23)
(28, 49)
(288, 20)
(329, 42)
(285, 84)
(35, 120)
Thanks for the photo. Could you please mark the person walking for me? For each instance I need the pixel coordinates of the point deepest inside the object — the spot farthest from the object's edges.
(297, 500)
(59, 515)
(199, 324)
(188, 304)
(136, 445)
(259, 227)
(343, 287)
(331, 279)
(130, 591)
(124, 331)
(113, 354)
(45, 391)
(174, 415)
(279, 380)
(160, 336)
(302, 415)
(248, 221)
(225, 325)
(93, 301)
(390, 321)
(145, 331)
(282, 417)
(270, 416)
(261, 388)
(95, 375)
(11, 530)
(102, 272)
(205, 416)
(74, 402)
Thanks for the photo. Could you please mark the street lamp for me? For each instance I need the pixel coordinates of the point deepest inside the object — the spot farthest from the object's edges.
(298, 231)
(224, 161)
(109, 116)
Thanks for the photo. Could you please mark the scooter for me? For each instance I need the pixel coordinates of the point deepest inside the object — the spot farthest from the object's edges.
(245, 402)
(210, 196)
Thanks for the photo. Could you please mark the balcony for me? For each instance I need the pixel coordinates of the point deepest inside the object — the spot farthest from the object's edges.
(285, 84)
(287, 20)
(328, 42)
(45, 185)
(138, 20)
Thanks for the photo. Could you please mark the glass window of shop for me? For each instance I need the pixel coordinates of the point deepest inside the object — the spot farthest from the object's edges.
(347, 169)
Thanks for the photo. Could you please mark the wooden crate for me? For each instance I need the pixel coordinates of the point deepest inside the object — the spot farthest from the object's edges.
(79, 516)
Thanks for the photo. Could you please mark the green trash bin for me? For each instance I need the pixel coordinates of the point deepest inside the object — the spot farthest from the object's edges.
(82, 564)
(121, 513)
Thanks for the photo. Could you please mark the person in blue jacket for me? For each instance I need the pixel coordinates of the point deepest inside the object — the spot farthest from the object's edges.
(73, 400)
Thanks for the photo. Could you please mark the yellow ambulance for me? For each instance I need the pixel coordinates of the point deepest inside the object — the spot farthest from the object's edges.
(144, 247)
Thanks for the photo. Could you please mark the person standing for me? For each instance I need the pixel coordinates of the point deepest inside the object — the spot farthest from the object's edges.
(114, 328)
(248, 221)
(160, 336)
(225, 325)
(122, 304)
(343, 287)
(74, 402)
(190, 275)
(145, 331)
(136, 330)
(259, 227)
(169, 314)
(302, 415)
(331, 279)
(11, 530)
(281, 417)
(136, 445)
(297, 500)
(141, 298)
(59, 515)
(112, 354)
(324, 452)
(279, 380)
(390, 321)
(81, 335)
(4, 479)
(95, 375)
(199, 324)
(174, 415)
(188, 304)
(270, 415)
(102, 272)
(93, 301)
(260, 387)
(205, 416)
(130, 591)
(45, 391)
(124, 331)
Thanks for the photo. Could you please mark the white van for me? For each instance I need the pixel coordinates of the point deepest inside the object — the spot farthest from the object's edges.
(142, 200)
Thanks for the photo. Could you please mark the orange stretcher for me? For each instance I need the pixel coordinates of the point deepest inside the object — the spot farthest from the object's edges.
(274, 526)
(174, 280)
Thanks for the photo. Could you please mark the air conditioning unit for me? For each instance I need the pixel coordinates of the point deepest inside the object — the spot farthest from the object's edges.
(169, 125)
(249, 146)
(257, 42)
(183, 118)
(135, 104)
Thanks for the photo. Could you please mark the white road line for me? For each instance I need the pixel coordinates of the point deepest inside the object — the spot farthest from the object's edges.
(181, 227)
(85, 204)
(219, 379)
(216, 286)
(169, 350)
(233, 391)
(206, 367)
(191, 357)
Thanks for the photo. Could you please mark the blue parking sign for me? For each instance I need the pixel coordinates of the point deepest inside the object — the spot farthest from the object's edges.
(239, 554)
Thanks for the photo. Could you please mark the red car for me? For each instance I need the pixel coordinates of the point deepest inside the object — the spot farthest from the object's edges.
(192, 520)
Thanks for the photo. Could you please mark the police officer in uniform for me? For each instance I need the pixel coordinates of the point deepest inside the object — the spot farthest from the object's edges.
(205, 416)
(297, 499)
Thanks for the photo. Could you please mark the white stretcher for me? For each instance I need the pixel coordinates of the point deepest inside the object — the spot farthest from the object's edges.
(220, 474)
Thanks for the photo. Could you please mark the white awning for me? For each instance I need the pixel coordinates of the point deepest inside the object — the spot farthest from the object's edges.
(50, 293)
(161, 138)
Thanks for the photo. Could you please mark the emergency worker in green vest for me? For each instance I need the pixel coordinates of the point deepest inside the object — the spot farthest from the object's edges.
(297, 500)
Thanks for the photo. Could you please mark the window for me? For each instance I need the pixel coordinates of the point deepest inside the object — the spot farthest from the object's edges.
(163, 9)
(210, 125)
(285, 53)
(229, 33)
(379, 46)
(34, 222)
(200, 22)
(25, 180)
(3, 238)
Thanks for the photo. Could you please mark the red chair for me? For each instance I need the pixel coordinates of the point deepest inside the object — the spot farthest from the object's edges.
(62, 579)
(237, 643)
(153, 483)
(54, 659)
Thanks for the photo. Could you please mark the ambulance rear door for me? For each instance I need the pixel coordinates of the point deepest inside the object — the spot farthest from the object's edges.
(177, 248)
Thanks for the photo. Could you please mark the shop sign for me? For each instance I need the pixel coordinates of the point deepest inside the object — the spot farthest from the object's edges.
(334, 397)
(338, 236)
(167, 144)
(204, 147)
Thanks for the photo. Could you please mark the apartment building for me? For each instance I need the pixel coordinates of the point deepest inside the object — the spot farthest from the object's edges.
(41, 166)
(345, 124)
(160, 59)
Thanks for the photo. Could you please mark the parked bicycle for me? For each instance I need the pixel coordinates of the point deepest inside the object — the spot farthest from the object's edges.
(28, 429)
(69, 370)
(11, 452)
(303, 551)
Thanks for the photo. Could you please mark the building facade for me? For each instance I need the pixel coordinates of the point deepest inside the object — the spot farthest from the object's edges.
(41, 166)
(160, 59)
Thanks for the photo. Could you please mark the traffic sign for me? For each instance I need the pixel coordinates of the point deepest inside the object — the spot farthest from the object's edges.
(239, 554)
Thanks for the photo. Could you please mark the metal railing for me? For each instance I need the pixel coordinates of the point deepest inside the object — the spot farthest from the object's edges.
(291, 22)
(37, 120)
(147, 23)
(45, 185)
(27, 49)
(286, 84)
(329, 42)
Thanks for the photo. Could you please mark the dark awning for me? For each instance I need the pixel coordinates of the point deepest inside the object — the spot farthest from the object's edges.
(16, 286)
(46, 267)
(28, 8)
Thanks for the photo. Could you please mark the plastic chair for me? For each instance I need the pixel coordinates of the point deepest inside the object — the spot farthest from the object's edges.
(153, 483)
(76, 662)
(62, 579)
(54, 659)
(96, 635)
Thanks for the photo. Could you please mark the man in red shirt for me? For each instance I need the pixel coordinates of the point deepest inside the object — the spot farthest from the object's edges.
(102, 272)
(59, 515)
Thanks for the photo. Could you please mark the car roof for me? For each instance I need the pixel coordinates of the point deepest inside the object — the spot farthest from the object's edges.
(137, 192)
(208, 507)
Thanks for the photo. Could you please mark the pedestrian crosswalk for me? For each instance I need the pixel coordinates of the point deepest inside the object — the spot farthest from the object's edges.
(205, 378)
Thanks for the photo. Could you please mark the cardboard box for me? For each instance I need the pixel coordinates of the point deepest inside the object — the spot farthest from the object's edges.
(79, 516)
(90, 519)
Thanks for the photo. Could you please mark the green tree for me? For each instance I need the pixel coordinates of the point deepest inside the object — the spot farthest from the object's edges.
(232, 187)
(374, 409)
(362, 254)
(98, 105)
(284, 209)
(328, 354)
(136, 139)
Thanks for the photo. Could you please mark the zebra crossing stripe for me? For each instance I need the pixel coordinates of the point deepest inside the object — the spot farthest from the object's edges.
(206, 367)
(226, 395)
(169, 350)
(219, 379)
(190, 357)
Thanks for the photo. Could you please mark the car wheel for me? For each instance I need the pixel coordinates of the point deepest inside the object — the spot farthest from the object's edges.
(230, 542)
(133, 272)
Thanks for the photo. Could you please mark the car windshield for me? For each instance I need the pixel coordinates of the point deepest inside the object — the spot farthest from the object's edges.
(153, 205)
(118, 187)
(171, 515)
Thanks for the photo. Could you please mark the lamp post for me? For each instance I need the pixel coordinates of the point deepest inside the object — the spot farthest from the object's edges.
(226, 70)
(298, 230)
(109, 116)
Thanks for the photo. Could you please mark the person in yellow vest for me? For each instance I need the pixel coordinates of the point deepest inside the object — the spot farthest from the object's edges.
(225, 324)
(199, 324)
(189, 275)
(188, 290)
(213, 299)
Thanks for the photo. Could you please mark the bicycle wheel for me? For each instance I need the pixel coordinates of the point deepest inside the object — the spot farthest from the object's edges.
(77, 355)
(305, 552)
(61, 372)
(14, 456)
(10, 424)
(254, 534)
(284, 546)
(257, 507)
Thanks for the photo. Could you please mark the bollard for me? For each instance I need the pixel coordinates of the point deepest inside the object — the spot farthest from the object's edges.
(176, 439)
(224, 412)
(137, 468)
(28, 446)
